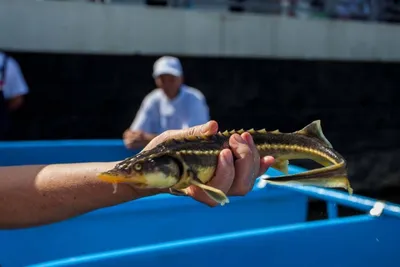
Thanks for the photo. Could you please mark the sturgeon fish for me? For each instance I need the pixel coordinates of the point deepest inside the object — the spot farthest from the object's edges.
(176, 164)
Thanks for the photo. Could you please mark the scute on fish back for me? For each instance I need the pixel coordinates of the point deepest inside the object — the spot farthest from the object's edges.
(179, 163)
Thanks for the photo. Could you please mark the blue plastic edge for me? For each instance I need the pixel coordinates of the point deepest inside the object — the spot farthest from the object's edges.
(64, 142)
(337, 197)
(201, 240)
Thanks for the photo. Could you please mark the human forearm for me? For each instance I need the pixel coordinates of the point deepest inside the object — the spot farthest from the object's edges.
(40, 194)
(15, 103)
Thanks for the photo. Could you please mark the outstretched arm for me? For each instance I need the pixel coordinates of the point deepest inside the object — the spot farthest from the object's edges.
(41, 194)
(139, 134)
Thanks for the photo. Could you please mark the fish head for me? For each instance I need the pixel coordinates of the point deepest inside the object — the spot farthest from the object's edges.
(145, 172)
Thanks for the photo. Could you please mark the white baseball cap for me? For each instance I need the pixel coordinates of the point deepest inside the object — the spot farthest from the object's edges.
(167, 65)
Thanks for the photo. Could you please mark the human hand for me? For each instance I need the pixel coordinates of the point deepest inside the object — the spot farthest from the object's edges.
(233, 178)
(136, 139)
(129, 137)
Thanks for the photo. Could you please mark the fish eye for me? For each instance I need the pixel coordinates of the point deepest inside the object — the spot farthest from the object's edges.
(138, 166)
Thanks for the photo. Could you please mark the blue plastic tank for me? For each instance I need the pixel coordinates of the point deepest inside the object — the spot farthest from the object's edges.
(143, 222)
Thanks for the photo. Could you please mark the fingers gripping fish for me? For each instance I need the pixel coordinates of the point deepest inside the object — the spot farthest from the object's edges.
(179, 163)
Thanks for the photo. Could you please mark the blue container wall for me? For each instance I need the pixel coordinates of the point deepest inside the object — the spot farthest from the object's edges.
(345, 242)
(68, 151)
(147, 221)
(142, 222)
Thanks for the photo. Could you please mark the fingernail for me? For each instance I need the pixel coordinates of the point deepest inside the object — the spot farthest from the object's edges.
(249, 139)
(239, 139)
(204, 128)
(227, 157)
(268, 159)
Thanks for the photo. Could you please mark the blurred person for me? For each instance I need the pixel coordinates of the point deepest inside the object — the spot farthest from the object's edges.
(349, 9)
(172, 105)
(13, 88)
(34, 195)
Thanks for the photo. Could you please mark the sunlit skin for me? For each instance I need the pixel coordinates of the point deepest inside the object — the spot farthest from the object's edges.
(15, 103)
(41, 194)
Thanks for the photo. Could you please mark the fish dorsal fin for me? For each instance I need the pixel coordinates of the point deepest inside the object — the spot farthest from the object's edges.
(314, 129)
(251, 131)
(240, 131)
(225, 133)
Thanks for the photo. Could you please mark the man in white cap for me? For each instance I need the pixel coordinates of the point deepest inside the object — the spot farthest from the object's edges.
(172, 105)
(13, 89)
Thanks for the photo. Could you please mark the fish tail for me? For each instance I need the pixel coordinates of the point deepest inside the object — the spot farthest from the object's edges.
(334, 176)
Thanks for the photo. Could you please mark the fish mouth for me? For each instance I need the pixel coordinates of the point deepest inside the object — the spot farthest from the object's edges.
(117, 178)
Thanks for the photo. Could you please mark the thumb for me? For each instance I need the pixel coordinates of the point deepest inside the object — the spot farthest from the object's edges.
(209, 128)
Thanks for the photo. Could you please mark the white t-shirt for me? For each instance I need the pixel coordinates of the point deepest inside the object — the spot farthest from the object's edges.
(157, 113)
(15, 84)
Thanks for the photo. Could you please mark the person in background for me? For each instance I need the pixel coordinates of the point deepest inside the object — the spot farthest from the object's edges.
(13, 88)
(173, 105)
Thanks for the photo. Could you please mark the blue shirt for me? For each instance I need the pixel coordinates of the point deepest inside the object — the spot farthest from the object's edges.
(157, 113)
(15, 84)
(12, 84)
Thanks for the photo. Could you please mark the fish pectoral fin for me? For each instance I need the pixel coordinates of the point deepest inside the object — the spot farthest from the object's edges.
(214, 193)
(334, 182)
(334, 176)
(281, 165)
(314, 129)
(178, 192)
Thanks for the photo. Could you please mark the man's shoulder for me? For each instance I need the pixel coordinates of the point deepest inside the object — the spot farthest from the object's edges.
(10, 59)
(154, 95)
(4, 56)
(194, 92)
(12, 64)
(152, 98)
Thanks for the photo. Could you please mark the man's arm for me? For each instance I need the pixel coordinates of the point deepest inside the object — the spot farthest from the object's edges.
(199, 111)
(15, 86)
(139, 134)
(42, 194)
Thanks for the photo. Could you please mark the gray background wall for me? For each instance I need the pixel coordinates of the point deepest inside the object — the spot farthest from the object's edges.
(125, 29)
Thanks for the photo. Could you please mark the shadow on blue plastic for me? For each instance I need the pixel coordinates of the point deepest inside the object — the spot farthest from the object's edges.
(141, 222)
(351, 241)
